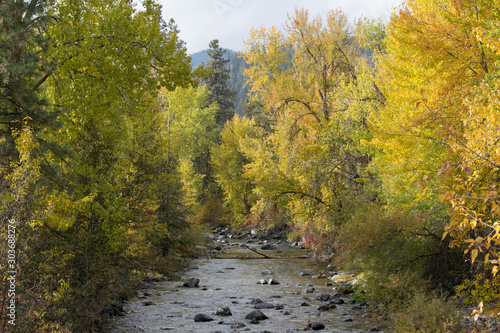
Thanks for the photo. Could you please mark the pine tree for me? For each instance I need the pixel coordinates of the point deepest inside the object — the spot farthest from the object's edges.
(22, 69)
(217, 83)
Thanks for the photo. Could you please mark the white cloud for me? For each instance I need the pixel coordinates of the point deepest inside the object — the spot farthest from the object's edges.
(230, 21)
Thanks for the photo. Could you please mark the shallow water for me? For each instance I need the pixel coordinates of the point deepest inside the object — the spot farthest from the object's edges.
(232, 283)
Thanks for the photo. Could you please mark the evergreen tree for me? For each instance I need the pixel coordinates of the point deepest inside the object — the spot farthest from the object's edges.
(217, 83)
(22, 69)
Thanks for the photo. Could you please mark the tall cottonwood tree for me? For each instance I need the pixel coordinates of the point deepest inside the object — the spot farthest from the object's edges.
(436, 131)
(316, 89)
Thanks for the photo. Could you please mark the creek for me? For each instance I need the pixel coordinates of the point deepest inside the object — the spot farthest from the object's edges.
(230, 280)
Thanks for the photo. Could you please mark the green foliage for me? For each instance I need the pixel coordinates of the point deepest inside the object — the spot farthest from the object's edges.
(391, 293)
(311, 91)
(24, 67)
(229, 164)
(427, 314)
(112, 200)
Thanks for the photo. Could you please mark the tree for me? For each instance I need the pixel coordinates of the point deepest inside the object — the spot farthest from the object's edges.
(229, 165)
(434, 131)
(24, 67)
(316, 90)
(217, 83)
(103, 63)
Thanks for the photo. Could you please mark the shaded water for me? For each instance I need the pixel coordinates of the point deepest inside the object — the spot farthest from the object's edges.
(232, 282)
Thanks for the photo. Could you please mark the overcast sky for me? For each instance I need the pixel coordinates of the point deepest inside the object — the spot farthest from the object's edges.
(230, 21)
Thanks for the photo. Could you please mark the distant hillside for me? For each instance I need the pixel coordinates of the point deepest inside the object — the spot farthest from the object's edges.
(237, 80)
(202, 56)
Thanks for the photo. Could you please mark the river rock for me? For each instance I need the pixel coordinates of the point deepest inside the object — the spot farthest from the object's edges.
(238, 325)
(262, 281)
(267, 272)
(223, 311)
(191, 283)
(202, 318)
(304, 274)
(273, 281)
(264, 306)
(268, 247)
(309, 290)
(255, 301)
(254, 321)
(316, 325)
(256, 314)
(324, 297)
(337, 301)
(324, 308)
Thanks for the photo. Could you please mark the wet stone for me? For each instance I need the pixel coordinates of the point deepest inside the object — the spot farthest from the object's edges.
(268, 247)
(273, 281)
(317, 326)
(309, 290)
(264, 306)
(337, 301)
(237, 325)
(256, 314)
(191, 283)
(223, 311)
(202, 318)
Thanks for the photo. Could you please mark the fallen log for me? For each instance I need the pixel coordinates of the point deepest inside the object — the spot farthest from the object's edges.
(262, 254)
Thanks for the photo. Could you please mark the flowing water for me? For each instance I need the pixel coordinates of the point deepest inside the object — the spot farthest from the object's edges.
(231, 281)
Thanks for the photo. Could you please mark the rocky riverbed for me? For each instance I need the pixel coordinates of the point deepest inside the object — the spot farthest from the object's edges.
(237, 289)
